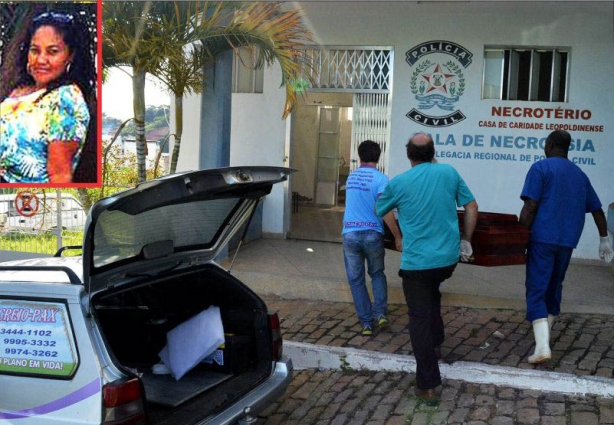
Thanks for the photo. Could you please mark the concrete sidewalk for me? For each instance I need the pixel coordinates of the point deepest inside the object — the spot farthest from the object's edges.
(299, 269)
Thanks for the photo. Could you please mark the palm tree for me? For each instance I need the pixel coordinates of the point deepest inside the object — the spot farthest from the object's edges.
(127, 30)
(180, 38)
(211, 30)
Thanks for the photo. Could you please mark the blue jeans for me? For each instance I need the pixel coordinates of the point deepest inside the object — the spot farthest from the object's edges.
(357, 247)
(546, 268)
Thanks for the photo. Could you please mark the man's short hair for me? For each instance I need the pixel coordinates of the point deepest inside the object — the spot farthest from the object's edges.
(560, 140)
(369, 151)
(420, 153)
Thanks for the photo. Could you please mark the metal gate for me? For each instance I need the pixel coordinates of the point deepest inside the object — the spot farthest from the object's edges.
(371, 121)
(365, 71)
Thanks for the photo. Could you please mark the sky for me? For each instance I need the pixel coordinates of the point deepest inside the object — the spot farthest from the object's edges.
(117, 95)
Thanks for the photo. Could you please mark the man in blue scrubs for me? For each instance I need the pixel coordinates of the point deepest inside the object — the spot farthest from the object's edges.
(426, 197)
(557, 196)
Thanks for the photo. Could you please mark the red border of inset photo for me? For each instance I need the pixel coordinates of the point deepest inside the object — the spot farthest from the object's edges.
(98, 60)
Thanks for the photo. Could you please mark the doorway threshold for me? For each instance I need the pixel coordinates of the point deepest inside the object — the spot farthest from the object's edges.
(317, 223)
(315, 238)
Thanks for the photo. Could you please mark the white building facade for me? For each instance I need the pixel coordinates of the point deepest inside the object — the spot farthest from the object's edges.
(488, 80)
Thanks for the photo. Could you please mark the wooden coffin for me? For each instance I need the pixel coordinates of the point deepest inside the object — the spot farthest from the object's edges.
(498, 240)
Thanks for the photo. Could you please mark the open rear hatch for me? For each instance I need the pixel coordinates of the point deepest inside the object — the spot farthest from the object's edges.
(135, 322)
(148, 269)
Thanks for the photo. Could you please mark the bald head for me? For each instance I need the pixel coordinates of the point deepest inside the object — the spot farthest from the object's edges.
(420, 148)
(421, 139)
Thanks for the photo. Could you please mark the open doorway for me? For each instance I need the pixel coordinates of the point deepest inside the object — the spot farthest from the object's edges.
(347, 101)
(321, 151)
(326, 130)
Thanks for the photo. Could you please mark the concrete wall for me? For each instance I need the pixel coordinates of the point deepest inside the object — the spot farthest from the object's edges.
(585, 27)
(190, 142)
(258, 133)
(258, 137)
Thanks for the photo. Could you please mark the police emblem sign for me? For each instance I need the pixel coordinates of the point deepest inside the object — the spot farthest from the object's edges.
(437, 81)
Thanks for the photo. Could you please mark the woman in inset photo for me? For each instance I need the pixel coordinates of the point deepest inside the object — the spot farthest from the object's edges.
(47, 107)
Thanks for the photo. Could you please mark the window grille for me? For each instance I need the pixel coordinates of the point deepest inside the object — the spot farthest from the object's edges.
(371, 121)
(348, 69)
(365, 71)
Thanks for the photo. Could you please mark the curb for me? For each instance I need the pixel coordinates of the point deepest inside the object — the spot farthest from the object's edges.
(309, 356)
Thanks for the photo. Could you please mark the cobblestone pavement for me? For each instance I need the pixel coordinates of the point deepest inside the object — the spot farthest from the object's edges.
(325, 397)
(582, 344)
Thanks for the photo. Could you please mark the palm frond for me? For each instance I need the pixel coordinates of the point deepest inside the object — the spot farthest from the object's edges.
(278, 35)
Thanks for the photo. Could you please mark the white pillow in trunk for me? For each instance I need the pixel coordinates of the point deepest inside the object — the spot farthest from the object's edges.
(193, 340)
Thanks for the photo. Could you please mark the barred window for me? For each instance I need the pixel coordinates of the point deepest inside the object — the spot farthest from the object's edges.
(530, 74)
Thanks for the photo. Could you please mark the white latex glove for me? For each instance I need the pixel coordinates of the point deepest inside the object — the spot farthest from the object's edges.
(465, 251)
(605, 249)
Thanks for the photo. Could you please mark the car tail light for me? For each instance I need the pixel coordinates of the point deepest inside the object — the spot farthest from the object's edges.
(278, 343)
(123, 403)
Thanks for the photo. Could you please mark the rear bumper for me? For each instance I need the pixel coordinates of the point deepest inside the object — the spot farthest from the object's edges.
(259, 398)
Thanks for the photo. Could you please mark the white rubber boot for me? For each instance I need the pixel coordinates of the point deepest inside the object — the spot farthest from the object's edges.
(541, 332)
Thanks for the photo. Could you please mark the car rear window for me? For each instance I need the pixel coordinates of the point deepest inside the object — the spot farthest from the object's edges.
(119, 236)
(37, 339)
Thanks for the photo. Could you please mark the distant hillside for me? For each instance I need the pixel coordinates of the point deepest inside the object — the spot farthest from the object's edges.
(156, 120)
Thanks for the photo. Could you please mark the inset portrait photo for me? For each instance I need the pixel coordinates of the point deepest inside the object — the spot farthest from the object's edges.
(50, 68)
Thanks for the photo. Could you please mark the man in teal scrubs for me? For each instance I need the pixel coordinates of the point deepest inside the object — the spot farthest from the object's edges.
(426, 198)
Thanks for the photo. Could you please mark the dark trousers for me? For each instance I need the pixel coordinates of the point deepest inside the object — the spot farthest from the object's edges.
(421, 289)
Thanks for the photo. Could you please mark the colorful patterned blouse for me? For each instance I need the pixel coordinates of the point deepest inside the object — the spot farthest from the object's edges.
(28, 124)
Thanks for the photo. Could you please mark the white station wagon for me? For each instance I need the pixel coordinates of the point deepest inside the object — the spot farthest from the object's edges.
(144, 328)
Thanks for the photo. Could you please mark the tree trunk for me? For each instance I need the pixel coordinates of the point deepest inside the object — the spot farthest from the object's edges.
(138, 93)
(178, 132)
(85, 199)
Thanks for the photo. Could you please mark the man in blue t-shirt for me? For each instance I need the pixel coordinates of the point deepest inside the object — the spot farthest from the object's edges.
(426, 198)
(363, 238)
(557, 195)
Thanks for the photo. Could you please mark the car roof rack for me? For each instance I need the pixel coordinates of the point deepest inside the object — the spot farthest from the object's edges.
(72, 276)
(59, 252)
